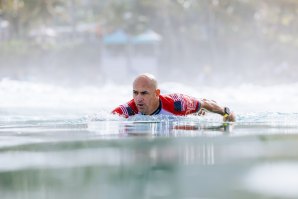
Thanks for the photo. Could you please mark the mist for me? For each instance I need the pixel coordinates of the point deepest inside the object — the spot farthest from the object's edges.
(85, 42)
(66, 64)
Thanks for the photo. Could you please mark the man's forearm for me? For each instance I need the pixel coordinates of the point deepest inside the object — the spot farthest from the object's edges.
(212, 106)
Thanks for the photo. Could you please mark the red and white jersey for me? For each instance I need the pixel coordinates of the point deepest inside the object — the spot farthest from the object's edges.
(172, 104)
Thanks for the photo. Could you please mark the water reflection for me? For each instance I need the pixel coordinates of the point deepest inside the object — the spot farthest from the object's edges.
(181, 154)
(136, 167)
(143, 159)
(139, 166)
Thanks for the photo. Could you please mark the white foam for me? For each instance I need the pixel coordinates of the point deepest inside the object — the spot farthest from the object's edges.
(241, 98)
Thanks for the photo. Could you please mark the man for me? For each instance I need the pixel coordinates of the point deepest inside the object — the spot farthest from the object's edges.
(147, 100)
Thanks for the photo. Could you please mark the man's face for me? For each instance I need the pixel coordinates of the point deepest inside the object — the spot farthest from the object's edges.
(145, 96)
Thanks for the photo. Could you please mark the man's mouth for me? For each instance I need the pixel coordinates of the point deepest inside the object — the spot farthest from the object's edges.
(141, 106)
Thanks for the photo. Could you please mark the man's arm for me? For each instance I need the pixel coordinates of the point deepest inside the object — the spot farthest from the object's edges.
(212, 106)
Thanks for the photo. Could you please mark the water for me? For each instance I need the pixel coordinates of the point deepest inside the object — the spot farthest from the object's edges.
(58, 142)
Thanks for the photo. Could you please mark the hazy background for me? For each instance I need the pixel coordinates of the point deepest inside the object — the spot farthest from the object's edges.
(210, 42)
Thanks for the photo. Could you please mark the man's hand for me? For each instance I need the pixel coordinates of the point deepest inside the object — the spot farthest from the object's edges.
(201, 112)
(230, 118)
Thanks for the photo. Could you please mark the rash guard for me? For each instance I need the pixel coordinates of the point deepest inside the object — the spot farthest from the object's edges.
(171, 104)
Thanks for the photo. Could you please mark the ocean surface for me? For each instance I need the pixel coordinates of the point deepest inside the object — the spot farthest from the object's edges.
(62, 142)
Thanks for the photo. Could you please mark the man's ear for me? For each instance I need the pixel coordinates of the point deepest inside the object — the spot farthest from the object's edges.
(157, 92)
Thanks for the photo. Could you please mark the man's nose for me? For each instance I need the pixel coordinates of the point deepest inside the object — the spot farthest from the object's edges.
(139, 98)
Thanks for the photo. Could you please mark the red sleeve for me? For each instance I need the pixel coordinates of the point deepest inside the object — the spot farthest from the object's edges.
(180, 104)
(118, 111)
(126, 110)
(191, 104)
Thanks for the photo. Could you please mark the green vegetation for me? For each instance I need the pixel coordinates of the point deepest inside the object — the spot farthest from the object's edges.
(198, 35)
(227, 18)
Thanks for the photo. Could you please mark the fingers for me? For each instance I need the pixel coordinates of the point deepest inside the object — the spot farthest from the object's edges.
(229, 118)
(201, 112)
(232, 117)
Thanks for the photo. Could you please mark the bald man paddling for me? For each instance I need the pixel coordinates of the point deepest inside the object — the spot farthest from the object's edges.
(147, 100)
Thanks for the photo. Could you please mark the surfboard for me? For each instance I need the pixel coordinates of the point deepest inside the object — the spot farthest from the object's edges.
(149, 127)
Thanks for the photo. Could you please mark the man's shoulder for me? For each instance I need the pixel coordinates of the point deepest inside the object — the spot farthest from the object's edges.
(181, 103)
(127, 109)
(174, 96)
(172, 102)
(132, 105)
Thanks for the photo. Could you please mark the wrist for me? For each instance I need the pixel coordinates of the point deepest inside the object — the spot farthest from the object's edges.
(226, 112)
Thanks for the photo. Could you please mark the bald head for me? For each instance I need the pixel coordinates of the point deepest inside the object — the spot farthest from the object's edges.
(146, 79)
(146, 93)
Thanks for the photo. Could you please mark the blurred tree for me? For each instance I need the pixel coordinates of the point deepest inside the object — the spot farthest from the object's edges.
(217, 34)
(23, 14)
